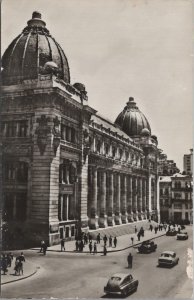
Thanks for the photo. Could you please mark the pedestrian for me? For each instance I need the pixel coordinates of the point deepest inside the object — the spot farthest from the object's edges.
(135, 229)
(4, 264)
(19, 263)
(95, 249)
(9, 259)
(44, 249)
(42, 245)
(90, 237)
(76, 245)
(105, 250)
(85, 239)
(110, 241)
(155, 229)
(81, 246)
(115, 241)
(98, 238)
(138, 236)
(62, 245)
(90, 246)
(130, 260)
(105, 239)
(151, 227)
(132, 239)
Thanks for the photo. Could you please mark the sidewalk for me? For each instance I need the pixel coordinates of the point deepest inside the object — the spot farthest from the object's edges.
(123, 242)
(29, 270)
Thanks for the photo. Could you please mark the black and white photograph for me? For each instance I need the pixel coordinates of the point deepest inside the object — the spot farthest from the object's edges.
(96, 149)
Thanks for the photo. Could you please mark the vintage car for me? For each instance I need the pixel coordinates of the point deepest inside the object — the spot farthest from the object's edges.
(121, 284)
(168, 258)
(182, 236)
(171, 232)
(147, 247)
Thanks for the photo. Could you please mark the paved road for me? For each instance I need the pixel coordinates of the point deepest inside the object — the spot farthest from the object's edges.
(65, 275)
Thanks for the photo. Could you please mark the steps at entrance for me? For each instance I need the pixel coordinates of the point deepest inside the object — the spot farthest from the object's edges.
(123, 229)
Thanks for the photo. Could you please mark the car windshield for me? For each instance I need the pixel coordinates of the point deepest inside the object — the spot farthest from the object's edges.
(116, 278)
(166, 255)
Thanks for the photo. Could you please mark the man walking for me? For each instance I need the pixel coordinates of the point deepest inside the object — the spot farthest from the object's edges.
(62, 245)
(130, 260)
(110, 241)
(90, 246)
(115, 241)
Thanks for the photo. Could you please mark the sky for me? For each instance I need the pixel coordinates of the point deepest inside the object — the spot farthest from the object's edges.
(120, 49)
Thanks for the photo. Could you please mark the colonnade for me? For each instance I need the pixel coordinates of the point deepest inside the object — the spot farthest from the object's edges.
(116, 198)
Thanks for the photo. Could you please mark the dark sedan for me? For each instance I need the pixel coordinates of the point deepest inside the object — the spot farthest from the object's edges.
(147, 247)
(121, 284)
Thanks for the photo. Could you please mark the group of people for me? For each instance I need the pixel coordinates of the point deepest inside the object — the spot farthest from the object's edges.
(6, 262)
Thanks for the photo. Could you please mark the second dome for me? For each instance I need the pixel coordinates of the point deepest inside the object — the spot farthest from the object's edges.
(131, 120)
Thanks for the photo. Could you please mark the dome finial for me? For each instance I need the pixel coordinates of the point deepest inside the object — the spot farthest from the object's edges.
(36, 15)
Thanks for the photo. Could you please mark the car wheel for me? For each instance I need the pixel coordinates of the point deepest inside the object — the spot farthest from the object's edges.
(124, 293)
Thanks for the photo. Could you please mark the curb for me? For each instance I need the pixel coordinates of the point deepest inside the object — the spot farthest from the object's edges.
(108, 251)
(21, 278)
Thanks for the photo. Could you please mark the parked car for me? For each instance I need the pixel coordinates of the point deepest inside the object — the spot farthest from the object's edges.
(168, 258)
(171, 232)
(121, 284)
(182, 236)
(147, 247)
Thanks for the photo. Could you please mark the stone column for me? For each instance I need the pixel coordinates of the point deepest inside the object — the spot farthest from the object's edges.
(150, 196)
(93, 207)
(135, 212)
(140, 199)
(129, 199)
(144, 200)
(124, 200)
(118, 200)
(110, 215)
(103, 216)
(158, 200)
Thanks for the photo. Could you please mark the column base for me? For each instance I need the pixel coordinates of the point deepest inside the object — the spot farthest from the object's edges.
(140, 215)
(124, 218)
(93, 223)
(103, 221)
(130, 217)
(111, 220)
(135, 216)
(118, 220)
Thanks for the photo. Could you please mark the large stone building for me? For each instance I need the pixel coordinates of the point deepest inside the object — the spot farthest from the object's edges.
(66, 168)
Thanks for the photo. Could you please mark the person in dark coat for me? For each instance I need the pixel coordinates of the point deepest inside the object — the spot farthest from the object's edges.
(76, 245)
(105, 239)
(105, 250)
(44, 249)
(85, 239)
(95, 249)
(130, 260)
(135, 229)
(138, 236)
(9, 259)
(90, 246)
(81, 246)
(4, 264)
(115, 241)
(110, 241)
(132, 239)
(62, 245)
(42, 245)
(98, 238)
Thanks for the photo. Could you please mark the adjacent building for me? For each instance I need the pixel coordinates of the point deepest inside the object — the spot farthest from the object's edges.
(65, 167)
(188, 163)
(176, 198)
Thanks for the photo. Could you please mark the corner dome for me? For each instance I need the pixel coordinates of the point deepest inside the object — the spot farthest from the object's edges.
(26, 56)
(131, 120)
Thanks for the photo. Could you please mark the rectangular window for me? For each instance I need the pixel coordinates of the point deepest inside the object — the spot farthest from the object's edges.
(22, 129)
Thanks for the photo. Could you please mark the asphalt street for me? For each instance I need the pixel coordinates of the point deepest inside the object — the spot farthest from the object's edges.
(65, 275)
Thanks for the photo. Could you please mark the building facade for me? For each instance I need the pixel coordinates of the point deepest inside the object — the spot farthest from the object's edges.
(65, 168)
(188, 163)
(176, 198)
